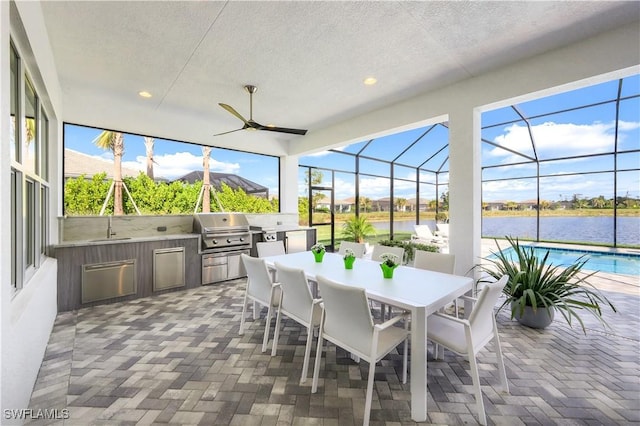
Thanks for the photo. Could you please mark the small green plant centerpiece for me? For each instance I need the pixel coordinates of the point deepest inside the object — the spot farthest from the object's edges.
(537, 288)
(357, 229)
(349, 258)
(318, 251)
(389, 263)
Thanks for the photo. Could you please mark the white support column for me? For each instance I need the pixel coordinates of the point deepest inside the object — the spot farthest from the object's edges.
(465, 187)
(289, 184)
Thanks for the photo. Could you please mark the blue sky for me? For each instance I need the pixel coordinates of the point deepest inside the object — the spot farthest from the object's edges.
(583, 131)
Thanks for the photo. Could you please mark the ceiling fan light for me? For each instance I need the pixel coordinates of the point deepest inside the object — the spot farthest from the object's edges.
(370, 81)
(144, 94)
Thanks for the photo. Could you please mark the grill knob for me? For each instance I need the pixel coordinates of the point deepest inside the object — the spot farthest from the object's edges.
(228, 240)
(241, 239)
(214, 241)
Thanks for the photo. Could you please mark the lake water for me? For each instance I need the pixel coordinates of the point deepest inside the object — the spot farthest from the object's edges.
(585, 229)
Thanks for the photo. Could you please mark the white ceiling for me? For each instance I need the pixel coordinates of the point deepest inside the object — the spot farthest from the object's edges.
(308, 59)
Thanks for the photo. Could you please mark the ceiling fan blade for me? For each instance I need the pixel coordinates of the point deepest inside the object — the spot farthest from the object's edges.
(234, 112)
(283, 130)
(230, 131)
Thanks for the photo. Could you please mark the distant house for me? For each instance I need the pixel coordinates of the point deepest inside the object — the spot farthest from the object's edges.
(421, 205)
(494, 205)
(77, 164)
(232, 181)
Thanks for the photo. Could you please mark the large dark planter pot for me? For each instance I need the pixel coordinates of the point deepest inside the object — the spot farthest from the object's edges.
(541, 318)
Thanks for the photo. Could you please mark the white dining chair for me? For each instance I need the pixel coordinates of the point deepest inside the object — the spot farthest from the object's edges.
(437, 262)
(270, 248)
(358, 248)
(468, 336)
(347, 322)
(380, 249)
(297, 303)
(260, 290)
(375, 256)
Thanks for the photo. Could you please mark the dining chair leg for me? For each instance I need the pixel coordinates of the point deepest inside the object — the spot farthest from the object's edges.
(316, 367)
(369, 397)
(255, 311)
(475, 377)
(276, 333)
(244, 312)
(498, 348)
(307, 355)
(267, 328)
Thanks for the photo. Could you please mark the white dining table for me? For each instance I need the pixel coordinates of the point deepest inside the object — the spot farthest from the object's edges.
(418, 291)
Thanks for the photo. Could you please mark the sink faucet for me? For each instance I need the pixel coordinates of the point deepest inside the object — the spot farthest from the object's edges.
(110, 232)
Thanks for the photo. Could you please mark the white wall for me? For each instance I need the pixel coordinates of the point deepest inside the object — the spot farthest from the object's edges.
(26, 318)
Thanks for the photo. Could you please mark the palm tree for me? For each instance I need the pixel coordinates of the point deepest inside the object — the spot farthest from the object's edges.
(114, 141)
(365, 203)
(545, 205)
(357, 228)
(206, 184)
(400, 204)
(599, 202)
(148, 144)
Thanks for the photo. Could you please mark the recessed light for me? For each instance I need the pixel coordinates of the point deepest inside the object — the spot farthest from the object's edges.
(144, 94)
(370, 81)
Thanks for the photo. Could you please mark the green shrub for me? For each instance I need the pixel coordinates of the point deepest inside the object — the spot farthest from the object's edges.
(409, 248)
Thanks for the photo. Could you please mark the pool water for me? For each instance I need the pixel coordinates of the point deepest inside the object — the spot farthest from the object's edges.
(619, 263)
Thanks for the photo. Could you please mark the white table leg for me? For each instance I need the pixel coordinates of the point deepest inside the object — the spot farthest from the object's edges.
(418, 365)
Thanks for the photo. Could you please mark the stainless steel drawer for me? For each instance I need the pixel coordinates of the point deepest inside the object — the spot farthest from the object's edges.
(168, 268)
(102, 281)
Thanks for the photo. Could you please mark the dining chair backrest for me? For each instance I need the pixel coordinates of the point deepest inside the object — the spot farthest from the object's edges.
(482, 316)
(379, 249)
(438, 262)
(296, 295)
(347, 317)
(423, 231)
(358, 248)
(258, 277)
(270, 248)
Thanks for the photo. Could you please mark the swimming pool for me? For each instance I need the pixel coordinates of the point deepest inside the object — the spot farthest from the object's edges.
(614, 263)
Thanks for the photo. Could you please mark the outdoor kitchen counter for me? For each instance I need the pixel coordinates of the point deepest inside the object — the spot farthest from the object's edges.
(126, 240)
(94, 272)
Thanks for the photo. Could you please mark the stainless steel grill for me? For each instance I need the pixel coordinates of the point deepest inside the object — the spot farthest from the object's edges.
(225, 236)
(222, 232)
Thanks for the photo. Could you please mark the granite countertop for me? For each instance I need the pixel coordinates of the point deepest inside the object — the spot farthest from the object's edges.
(125, 240)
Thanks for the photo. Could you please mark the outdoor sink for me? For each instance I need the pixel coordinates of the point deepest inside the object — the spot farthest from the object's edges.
(109, 239)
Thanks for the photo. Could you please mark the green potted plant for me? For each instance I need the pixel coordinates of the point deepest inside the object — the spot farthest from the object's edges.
(389, 263)
(537, 288)
(318, 251)
(357, 228)
(349, 258)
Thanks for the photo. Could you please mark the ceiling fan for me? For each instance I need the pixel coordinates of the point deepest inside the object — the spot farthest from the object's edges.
(252, 125)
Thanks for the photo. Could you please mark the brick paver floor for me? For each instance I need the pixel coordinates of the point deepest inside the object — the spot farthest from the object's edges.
(177, 359)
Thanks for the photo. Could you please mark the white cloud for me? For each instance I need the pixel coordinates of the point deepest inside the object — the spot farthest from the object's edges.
(559, 139)
(171, 166)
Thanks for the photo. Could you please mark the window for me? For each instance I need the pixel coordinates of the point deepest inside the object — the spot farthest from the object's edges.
(30, 224)
(162, 176)
(30, 147)
(14, 107)
(29, 203)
